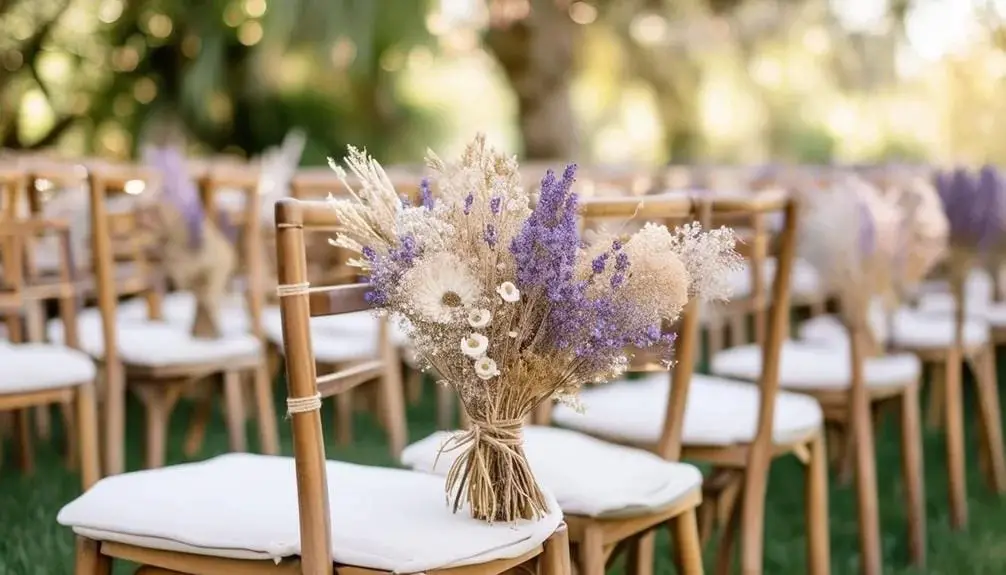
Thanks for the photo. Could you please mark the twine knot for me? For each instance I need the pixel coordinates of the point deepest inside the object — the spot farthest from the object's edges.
(492, 473)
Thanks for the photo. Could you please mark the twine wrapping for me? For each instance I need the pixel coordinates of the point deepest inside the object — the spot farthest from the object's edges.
(303, 404)
(492, 473)
(286, 290)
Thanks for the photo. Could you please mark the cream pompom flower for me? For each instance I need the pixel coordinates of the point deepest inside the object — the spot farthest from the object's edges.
(440, 286)
(479, 318)
(475, 345)
(485, 368)
(509, 292)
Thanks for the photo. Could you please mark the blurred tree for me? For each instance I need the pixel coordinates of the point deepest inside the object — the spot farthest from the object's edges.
(535, 44)
(238, 73)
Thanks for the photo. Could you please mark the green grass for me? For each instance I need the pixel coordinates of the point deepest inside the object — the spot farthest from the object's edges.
(31, 543)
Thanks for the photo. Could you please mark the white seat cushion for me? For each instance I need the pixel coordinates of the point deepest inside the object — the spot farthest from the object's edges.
(912, 329)
(979, 308)
(245, 506)
(588, 476)
(719, 412)
(806, 366)
(158, 344)
(32, 367)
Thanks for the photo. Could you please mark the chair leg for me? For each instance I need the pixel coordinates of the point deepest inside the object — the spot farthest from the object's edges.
(87, 435)
(912, 471)
(867, 505)
(114, 416)
(554, 559)
(235, 411)
(954, 422)
(413, 384)
(936, 412)
(816, 509)
(641, 554)
(72, 443)
(687, 547)
(591, 551)
(445, 406)
(728, 538)
(392, 398)
(25, 451)
(199, 422)
(89, 560)
(991, 418)
(752, 527)
(344, 418)
(265, 411)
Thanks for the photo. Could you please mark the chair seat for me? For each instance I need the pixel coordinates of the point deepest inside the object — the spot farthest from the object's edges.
(978, 308)
(912, 329)
(588, 476)
(718, 412)
(158, 344)
(977, 286)
(244, 506)
(805, 366)
(30, 367)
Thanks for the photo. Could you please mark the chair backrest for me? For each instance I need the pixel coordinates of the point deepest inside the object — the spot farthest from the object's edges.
(299, 302)
(669, 211)
(245, 220)
(728, 208)
(121, 236)
(20, 287)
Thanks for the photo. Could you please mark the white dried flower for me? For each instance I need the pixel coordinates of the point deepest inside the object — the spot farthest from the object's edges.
(441, 285)
(485, 368)
(479, 318)
(474, 345)
(509, 292)
(709, 258)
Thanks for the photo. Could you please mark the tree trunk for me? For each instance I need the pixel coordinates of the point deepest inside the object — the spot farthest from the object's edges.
(537, 54)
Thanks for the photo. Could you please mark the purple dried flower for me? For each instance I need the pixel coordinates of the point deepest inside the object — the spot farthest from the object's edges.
(494, 205)
(597, 266)
(616, 245)
(386, 271)
(179, 189)
(426, 194)
(469, 200)
(621, 262)
(617, 280)
(489, 235)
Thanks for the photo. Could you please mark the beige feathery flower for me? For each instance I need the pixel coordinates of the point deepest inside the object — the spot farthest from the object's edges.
(441, 287)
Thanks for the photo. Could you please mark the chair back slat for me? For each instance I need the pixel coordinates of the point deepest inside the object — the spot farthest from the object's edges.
(340, 299)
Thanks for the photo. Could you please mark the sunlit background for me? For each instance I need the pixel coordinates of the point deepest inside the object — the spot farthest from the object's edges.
(642, 81)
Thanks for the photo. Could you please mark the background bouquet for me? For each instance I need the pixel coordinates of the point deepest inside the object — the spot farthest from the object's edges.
(507, 304)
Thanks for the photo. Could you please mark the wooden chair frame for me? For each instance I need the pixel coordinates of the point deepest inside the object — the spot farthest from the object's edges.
(158, 388)
(211, 180)
(82, 428)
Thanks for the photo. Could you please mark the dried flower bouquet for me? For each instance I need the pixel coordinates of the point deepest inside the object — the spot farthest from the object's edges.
(507, 304)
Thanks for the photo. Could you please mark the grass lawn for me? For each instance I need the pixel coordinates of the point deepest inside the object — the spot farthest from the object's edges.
(31, 543)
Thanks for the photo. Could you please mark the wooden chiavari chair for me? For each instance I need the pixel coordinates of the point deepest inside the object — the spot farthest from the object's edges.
(159, 359)
(736, 427)
(853, 382)
(37, 374)
(242, 513)
(614, 497)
